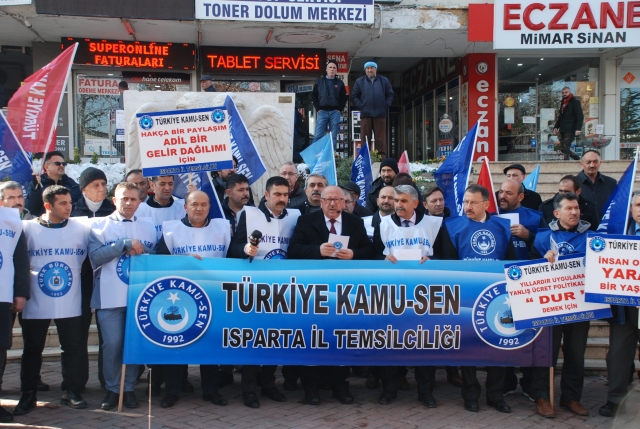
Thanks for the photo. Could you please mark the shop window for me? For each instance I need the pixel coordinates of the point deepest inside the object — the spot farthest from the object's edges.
(418, 152)
(408, 126)
(246, 86)
(529, 98)
(429, 136)
(629, 113)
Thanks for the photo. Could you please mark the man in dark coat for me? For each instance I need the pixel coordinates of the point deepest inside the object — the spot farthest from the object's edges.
(351, 197)
(596, 187)
(373, 95)
(54, 174)
(310, 240)
(388, 172)
(517, 172)
(571, 185)
(206, 83)
(329, 98)
(569, 123)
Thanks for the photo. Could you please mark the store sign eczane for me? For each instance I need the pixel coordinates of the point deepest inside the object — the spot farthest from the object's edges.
(550, 24)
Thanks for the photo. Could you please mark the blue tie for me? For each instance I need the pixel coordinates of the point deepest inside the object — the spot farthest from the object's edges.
(406, 223)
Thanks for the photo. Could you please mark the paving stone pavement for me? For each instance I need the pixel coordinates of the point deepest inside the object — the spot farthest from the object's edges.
(406, 412)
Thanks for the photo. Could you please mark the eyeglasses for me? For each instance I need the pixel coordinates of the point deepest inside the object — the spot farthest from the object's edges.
(285, 174)
(58, 163)
(472, 203)
(349, 201)
(332, 200)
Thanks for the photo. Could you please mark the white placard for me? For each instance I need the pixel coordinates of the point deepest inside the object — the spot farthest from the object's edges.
(407, 254)
(184, 141)
(599, 128)
(528, 119)
(509, 115)
(514, 218)
(544, 294)
(339, 242)
(613, 269)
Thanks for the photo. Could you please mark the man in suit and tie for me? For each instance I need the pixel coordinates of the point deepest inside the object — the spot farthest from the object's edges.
(310, 240)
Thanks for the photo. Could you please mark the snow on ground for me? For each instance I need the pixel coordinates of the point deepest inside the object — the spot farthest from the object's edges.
(114, 172)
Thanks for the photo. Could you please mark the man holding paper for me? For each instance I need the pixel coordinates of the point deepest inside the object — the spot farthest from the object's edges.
(623, 336)
(329, 233)
(407, 235)
(566, 235)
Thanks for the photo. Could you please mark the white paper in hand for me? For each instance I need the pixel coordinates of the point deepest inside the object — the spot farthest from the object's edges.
(407, 254)
(514, 218)
(339, 242)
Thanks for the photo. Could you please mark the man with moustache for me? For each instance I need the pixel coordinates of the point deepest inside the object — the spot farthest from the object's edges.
(112, 242)
(276, 223)
(568, 233)
(388, 172)
(11, 195)
(54, 174)
(316, 183)
(236, 198)
(531, 198)
(310, 240)
(407, 223)
(596, 187)
(455, 242)
(161, 205)
(195, 229)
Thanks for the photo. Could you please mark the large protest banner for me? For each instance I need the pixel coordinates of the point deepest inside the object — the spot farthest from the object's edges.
(613, 269)
(183, 310)
(545, 294)
(184, 141)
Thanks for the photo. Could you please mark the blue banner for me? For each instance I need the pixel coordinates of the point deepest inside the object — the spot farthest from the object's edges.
(531, 181)
(14, 162)
(616, 213)
(242, 146)
(453, 175)
(361, 173)
(183, 310)
(203, 182)
(320, 159)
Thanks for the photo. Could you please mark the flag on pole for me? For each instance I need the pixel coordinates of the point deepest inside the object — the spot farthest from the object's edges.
(531, 181)
(215, 208)
(33, 109)
(361, 173)
(453, 175)
(616, 215)
(242, 146)
(320, 159)
(14, 161)
(485, 180)
(403, 163)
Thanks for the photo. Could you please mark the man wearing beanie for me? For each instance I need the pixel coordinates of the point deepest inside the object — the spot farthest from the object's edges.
(373, 95)
(93, 203)
(329, 98)
(388, 172)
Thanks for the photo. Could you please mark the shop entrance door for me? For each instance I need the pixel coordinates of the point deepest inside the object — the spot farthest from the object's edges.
(518, 121)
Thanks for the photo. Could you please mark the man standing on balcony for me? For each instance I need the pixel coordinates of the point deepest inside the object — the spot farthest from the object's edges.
(329, 99)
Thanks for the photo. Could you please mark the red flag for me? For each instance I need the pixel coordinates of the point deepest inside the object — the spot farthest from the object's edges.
(403, 163)
(484, 179)
(33, 109)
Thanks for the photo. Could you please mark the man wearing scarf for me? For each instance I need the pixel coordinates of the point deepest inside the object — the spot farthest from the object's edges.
(569, 123)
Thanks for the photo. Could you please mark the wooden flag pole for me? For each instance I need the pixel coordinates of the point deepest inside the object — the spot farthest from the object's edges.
(551, 386)
(120, 398)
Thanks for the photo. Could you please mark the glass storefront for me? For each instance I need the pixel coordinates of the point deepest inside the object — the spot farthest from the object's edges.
(629, 112)
(528, 102)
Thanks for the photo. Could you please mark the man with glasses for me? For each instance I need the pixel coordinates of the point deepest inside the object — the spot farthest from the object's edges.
(297, 197)
(351, 196)
(310, 240)
(54, 174)
(135, 176)
(458, 240)
(316, 183)
(571, 185)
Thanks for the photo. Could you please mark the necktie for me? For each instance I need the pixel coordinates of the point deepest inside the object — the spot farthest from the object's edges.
(406, 223)
(333, 226)
(127, 220)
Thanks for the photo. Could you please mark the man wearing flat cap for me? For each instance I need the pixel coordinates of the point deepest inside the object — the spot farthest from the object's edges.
(329, 98)
(531, 199)
(351, 196)
(373, 95)
(206, 83)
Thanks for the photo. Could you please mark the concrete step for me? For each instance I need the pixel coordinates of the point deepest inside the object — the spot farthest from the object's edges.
(597, 348)
(49, 354)
(593, 366)
(599, 329)
(52, 337)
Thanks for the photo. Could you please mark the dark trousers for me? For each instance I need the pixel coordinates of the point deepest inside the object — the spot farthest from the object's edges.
(291, 372)
(471, 386)
(34, 334)
(390, 377)
(252, 373)
(86, 276)
(6, 335)
(379, 127)
(313, 376)
(565, 145)
(426, 378)
(623, 343)
(210, 378)
(574, 345)
(173, 377)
